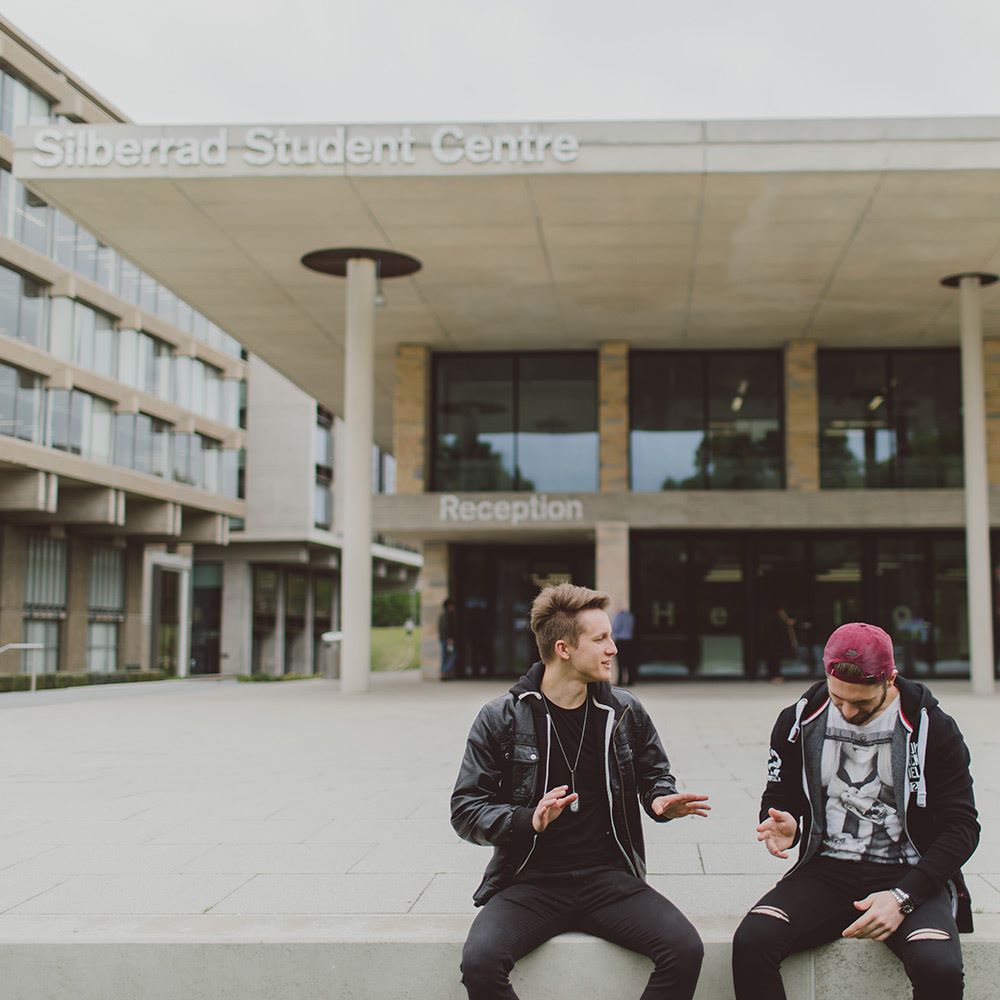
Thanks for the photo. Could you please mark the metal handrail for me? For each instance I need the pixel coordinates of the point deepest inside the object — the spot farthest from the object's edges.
(25, 645)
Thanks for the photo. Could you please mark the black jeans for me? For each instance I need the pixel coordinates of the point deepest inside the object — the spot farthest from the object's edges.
(606, 902)
(815, 904)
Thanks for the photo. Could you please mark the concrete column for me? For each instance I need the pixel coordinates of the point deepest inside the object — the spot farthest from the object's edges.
(434, 588)
(801, 417)
(184, 623)
(237, 616)
(612, 562)
(977, 515)
(411, 417)
(13, 565)
(613, 419)
(359, 385)
(73, 647)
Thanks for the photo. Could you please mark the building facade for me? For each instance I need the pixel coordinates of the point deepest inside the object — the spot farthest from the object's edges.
(713, 368)
(125, 459)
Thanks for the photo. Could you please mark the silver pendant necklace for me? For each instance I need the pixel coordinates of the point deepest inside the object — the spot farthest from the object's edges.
(574, 806)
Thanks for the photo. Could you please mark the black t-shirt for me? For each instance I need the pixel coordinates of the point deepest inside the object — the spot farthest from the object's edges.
(580, 839)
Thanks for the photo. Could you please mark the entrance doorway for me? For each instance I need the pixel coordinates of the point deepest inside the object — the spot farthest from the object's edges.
(493, 587)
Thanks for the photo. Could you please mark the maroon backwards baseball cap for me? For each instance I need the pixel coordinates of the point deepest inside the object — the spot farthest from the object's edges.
(867, 646)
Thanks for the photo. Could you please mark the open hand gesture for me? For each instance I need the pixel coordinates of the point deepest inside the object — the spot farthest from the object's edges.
(777, 832)
(551, 806)
(681, 804)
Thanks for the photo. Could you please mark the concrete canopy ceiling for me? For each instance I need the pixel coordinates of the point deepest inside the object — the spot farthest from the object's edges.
(794, 239)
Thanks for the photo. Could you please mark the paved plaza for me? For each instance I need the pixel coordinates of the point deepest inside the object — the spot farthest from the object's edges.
(205, 799)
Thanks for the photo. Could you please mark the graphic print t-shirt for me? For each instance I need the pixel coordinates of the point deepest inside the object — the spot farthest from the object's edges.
(863, 820)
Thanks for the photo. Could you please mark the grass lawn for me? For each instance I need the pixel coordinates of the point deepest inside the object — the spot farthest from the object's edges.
(393, 649)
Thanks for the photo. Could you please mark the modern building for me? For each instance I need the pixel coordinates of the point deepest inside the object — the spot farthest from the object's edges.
(710, 367)
(125, 458)
(264, 601)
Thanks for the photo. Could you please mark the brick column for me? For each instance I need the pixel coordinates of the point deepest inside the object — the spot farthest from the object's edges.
(991, 385)
(411, 418)
(13, 565)
(612, 562)
(73, 641)
(801, 417)
(612, 420)
(434, 588)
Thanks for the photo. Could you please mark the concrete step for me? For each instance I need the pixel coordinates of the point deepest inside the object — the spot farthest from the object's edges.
(397, 958)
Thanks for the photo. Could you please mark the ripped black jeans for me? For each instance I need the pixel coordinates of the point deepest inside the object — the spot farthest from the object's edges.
(815, 904)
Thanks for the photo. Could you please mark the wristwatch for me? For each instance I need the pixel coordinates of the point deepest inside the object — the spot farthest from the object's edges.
(906, 906)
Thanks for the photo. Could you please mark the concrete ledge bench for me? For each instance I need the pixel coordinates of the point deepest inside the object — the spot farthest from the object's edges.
(210, 957)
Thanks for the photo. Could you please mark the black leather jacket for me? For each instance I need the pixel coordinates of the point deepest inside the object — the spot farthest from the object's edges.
(504, 774)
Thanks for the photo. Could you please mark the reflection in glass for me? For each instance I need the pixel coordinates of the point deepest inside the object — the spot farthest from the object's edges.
(890, 419)
(474, 432)
(706, 420)
(556, 443)
(950, 626)
(744, 421)
(902, 607)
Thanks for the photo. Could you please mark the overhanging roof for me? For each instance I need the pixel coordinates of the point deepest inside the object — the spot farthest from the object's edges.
(663, 234)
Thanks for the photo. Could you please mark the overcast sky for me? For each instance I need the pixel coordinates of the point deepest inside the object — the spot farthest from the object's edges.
(203, 61)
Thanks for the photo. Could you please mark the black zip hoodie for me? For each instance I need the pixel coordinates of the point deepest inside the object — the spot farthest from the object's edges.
(930, 764)
(505, 772)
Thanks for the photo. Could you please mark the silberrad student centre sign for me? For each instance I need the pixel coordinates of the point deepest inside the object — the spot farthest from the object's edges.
(267, 146)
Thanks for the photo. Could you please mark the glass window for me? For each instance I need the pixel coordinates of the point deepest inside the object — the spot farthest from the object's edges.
(86, 253)
(322, 502)
(107, 267)
(30, 220)
(744, 421)
(163, 360)
(125, 440)
(927, 406)
(128, 281)
(147, 293)
(161, 449)
(105, 336)
(143, 457)
(146, 365)
(46, 659)
(61, 327)
(84, 335)
(182, 381)
(29, 407)
(102, 647)
(31, 326)
(890, 419)
(210, 465)
(45, 578)
(184, 446)
(668, 434)
(128, 353)
(63, 239)
(706, 420)
(474, 422)
(59, 404)
(197, 386)
(107, 579)
(10, 301)
(296, 598)
(8, 399)
(556, 442)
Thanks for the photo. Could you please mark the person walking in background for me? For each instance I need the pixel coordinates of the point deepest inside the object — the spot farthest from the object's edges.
(871, 779)
(448, 635)
(781, 641)
(623, 630)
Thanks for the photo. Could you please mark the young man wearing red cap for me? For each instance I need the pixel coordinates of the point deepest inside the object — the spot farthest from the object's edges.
(871, 779)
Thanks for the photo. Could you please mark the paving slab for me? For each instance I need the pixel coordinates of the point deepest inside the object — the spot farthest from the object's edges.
(188, 796)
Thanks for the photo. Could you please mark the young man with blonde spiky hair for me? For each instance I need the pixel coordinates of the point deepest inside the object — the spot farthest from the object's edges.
(552, 778)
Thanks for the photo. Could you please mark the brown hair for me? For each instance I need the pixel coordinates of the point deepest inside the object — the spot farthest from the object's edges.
(554, 615)
(852, 673)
